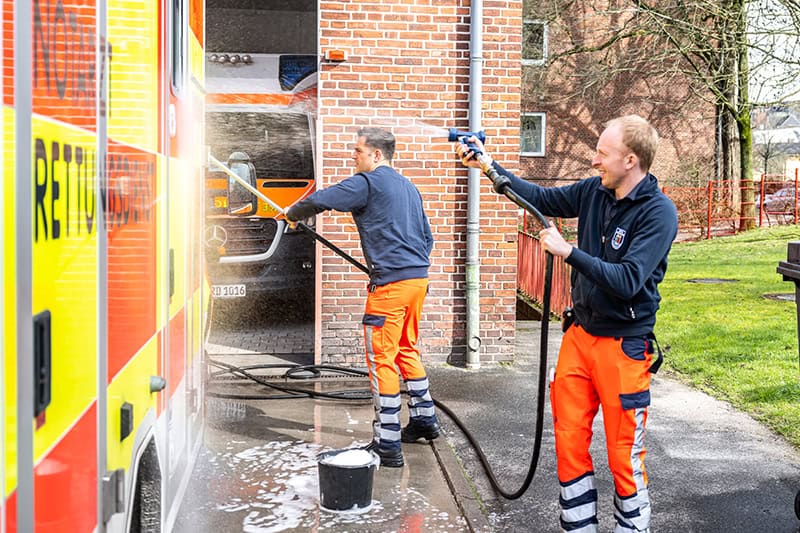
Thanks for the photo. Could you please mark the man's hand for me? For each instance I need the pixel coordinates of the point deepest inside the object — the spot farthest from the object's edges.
(466, 154)
(292, 222)
(554, 243)
(290, 219)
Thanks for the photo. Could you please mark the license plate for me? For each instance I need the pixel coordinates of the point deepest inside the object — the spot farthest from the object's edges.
(228, 291)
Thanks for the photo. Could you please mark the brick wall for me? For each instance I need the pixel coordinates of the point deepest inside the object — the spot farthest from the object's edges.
(407, 70)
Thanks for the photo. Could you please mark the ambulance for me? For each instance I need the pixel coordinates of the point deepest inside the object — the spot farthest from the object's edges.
(260, 117)
(104, 292)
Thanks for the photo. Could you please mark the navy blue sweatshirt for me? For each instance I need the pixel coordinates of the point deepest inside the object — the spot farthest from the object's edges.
(621, 255)
(387, 208)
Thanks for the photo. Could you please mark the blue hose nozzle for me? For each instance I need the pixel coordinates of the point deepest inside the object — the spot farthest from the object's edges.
(456, 135)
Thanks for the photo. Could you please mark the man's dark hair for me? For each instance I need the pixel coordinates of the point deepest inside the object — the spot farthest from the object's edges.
(379, 139)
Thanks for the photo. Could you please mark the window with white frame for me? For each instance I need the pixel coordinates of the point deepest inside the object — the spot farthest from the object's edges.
(531, 131)
(534, 42)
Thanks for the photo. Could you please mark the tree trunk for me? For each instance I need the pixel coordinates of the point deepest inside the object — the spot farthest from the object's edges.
(747, 214)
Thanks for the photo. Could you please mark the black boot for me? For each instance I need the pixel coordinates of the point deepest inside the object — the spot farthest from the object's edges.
(390, 458)
(415, 431)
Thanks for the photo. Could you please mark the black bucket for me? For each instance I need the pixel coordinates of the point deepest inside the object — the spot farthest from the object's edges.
(345, 487)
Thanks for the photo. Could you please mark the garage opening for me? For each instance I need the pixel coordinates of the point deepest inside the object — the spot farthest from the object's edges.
(261, 82)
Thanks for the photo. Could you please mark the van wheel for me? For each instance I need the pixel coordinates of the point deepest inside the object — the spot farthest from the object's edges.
(797, 504)
(146, 513)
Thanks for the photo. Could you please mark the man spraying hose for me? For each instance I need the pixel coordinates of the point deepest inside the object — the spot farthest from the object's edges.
(626, 226)
(397, 241)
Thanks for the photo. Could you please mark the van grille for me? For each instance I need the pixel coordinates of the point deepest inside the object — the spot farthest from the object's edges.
(248, 236)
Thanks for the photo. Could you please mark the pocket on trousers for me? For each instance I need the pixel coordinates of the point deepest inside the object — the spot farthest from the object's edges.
(635, 348)
(635, 400)
(373, 320)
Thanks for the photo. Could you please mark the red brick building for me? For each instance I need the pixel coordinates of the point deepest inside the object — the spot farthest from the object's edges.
(407, 69)
(566, 103)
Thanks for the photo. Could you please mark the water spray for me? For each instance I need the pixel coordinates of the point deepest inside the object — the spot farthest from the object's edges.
(213, 161)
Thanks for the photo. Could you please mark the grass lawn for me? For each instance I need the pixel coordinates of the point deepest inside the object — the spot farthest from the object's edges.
(727, 339)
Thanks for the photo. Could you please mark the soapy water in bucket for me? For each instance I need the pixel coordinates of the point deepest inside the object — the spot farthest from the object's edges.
(354, 457)
(345, 479)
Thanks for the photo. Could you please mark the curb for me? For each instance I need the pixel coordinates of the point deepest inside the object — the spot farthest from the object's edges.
(466, 498)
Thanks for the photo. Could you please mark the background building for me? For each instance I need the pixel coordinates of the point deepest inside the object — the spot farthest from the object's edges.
(574, 82)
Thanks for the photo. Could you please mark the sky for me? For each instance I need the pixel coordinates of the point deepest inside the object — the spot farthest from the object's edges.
(774, 53)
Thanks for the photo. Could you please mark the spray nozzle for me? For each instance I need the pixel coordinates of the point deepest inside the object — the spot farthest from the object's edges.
(456, 135)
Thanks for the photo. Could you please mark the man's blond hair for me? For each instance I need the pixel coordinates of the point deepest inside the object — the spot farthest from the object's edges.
(639, 136)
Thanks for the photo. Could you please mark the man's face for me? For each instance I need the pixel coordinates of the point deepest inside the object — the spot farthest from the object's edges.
(613, 159)
(364, 156)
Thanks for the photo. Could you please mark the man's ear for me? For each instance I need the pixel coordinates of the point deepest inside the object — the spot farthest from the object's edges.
(631, 160)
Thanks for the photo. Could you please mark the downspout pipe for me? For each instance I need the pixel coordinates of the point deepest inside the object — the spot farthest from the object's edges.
(473, 189)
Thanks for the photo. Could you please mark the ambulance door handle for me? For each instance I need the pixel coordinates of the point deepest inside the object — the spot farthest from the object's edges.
(41, 362)
(157, 384)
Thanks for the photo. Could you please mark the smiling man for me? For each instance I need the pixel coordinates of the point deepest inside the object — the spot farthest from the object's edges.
(626, 226)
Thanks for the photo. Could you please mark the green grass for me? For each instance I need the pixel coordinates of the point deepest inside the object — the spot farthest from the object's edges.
(726, 338)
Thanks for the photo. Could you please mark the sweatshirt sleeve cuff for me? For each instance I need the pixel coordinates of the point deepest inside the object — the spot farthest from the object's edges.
(580, 260)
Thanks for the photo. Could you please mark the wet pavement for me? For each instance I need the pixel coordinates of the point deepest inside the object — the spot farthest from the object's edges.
(712, 469)
(257, 466)
(257, 472)
(273, 327)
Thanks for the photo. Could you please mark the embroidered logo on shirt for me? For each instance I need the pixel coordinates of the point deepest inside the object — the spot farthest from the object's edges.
(619, 238)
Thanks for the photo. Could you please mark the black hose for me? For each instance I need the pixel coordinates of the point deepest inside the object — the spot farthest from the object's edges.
(493, 175)
(333, 247)
(289, 392)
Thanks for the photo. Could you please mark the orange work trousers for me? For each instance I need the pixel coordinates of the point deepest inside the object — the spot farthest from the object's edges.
(391, 329)
(614, 373)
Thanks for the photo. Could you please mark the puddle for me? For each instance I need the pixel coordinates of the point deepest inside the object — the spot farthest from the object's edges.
(275, 487)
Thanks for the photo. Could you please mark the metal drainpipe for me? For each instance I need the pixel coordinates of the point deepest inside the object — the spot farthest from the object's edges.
(473, 190)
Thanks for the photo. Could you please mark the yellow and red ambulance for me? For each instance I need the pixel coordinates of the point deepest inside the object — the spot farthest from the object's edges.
(102, 261)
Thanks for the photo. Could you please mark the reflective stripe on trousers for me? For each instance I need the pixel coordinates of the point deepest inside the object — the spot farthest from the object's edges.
(420, 402)
(578, 500)
(612, 373)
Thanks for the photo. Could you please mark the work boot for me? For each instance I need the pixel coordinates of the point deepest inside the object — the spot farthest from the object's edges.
(415, 431)
(390, 458)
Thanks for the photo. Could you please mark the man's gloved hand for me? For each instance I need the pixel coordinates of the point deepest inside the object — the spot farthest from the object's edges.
(500, 183)
(290, 220)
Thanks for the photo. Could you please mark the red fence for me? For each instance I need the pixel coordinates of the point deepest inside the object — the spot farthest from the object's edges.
(714, 210)
(530, 274)
(703, 212)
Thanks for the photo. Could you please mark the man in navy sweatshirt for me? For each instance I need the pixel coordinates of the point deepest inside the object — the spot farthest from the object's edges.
(626, 226)
(397, 241)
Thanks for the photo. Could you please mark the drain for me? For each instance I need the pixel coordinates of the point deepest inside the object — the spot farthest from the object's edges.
(711, 280)
(780, 296)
